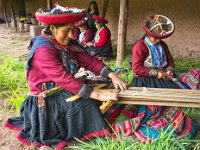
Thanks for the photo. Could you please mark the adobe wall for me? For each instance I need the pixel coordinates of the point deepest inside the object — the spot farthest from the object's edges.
(185, 13)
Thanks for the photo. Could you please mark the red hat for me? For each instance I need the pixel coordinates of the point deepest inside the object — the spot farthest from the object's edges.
(60, 15)
(102, 20)
(81, 22)
(158, 26)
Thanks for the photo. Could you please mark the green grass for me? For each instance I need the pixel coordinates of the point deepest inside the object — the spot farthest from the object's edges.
(184, 65)
(164, 142)
(13, 84)
(127, 77)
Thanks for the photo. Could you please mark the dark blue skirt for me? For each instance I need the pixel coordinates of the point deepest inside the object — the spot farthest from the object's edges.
(153, 82)
(104, 51)
(58, 120)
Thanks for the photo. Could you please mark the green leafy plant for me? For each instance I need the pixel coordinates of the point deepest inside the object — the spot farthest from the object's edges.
(13, 84)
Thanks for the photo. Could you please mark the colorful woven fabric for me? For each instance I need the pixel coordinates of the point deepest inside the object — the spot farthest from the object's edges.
(151, 121)
(113, 112)
(192, 79)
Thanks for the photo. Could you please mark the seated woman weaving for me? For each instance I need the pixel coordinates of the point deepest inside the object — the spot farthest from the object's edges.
(153, 66)
(151, 58)
(101, 46)
(45, 117)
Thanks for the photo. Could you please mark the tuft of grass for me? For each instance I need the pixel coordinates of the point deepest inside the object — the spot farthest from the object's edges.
(128, 74)
(187, 64)
(164, 142)
(13, 82)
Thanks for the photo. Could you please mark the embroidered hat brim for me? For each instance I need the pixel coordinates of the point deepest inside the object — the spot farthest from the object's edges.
(81, 22)
(102, 20)
(59, 18)
(158, 26)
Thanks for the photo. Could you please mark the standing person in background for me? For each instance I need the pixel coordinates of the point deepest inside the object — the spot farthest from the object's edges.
(86, 34)
(92, 10)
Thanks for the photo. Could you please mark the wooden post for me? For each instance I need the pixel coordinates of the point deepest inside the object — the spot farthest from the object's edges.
(49, 4)
(5, 12)
(104, 10)
(122, 27)
(35, 30)
(13, 15)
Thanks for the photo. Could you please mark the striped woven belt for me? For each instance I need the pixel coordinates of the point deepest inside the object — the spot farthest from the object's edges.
(50, 89)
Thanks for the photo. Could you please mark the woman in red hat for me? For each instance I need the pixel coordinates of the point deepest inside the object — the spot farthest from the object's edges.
(151, 58)
(76, 31)
(101, 46)
(86, 34)
(45, 117)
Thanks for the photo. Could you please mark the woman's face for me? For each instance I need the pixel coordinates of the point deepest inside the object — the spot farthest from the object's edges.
(83, 28)
(63, 34)
(98, 25)
(154, 40)
(93, 7)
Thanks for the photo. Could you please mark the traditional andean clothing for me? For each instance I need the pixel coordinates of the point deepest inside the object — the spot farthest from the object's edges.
(102, 44)
(86, 36)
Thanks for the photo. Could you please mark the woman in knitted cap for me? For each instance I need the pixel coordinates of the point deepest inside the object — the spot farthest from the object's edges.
(45, 117)
(152, 61)
(153, 66)
(101, 45)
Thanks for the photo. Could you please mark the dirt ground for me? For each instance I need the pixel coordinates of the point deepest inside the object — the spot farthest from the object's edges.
(12, 45)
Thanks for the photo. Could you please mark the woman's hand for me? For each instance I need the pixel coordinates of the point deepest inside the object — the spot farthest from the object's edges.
(110, 94)
(117, 81)
(104, 95)
(89, 44)
(164, 75)
(170, 73)
(161, 74)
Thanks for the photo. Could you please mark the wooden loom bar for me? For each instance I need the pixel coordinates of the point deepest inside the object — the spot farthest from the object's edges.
(156, 96)
(166, 89)
(159, 103)
(159, 96)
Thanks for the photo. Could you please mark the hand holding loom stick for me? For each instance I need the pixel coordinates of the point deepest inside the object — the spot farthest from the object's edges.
(168, 76)
(163, 75)
(169, 73)
(105, 95)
